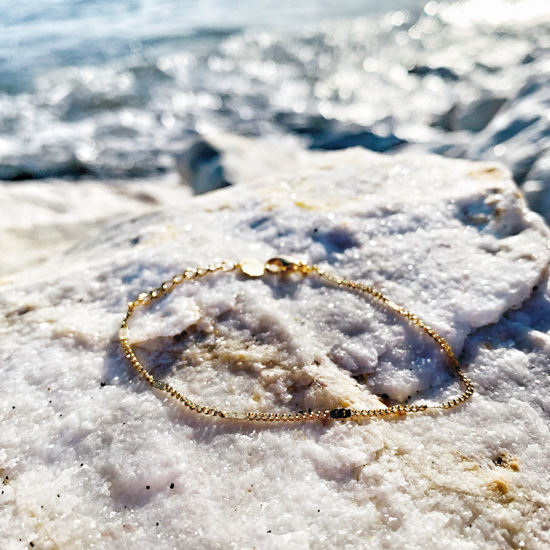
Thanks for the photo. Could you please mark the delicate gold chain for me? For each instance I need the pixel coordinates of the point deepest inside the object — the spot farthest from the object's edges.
(254, 268)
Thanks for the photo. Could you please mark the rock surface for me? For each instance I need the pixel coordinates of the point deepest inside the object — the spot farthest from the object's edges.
(91, 456)
(40, 219)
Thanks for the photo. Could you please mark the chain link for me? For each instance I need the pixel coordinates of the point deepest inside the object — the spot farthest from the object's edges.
(277, 266)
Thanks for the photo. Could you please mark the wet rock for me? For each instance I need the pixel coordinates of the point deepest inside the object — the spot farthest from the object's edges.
(537, 187)
(520, 133)
(321, 133)
(200, 166)
(442, 72)
(472, 117)
(57, 164)
(366, 139)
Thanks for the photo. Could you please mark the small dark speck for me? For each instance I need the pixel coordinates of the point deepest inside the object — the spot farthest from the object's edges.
(318, 510)
(179, 337)
(146, 197)
(135, 241)
(269, 530)
(171, 485)
(157, 524)
(81, 464)
(147, 487)
(315, 229)
(385, 396)
(31, 544)
(50, 401)
(60, 415)
(2, 492)
(24, 309)
(58, 496)
(102, 384)
(13, 406)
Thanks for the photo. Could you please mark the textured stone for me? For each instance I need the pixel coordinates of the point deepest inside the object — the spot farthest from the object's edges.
(89, 452)
(40, 219)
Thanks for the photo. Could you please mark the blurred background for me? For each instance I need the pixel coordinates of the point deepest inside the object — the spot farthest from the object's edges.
(95, 89)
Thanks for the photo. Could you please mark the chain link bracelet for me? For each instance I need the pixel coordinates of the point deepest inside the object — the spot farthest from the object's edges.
(279, 267)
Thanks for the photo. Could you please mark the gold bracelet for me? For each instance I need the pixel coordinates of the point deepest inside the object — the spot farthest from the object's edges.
(279, 266)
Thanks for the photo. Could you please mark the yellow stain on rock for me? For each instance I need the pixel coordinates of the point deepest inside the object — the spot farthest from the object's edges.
(304, 205)
(488, 172)
(499, 486)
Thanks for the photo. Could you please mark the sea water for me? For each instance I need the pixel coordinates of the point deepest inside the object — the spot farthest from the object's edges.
(118, 89)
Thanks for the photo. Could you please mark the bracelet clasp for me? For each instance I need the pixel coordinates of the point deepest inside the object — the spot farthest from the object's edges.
(283, 264)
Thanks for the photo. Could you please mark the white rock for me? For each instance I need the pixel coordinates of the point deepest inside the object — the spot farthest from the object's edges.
(40, 219)
(89, 465)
